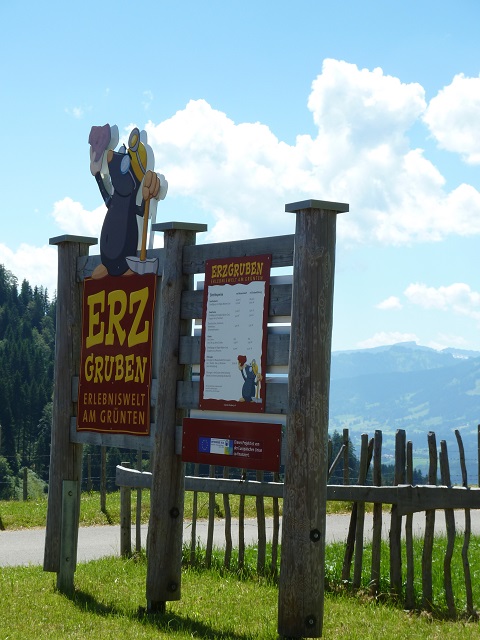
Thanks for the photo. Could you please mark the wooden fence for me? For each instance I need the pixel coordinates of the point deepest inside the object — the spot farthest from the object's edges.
(404, 497)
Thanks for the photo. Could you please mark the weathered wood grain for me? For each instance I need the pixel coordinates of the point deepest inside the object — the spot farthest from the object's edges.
(377, 514)
(125, 519)
(164, 544)
(365, 458)
(396, 517)
(68, 537)
(66, 458)
(211, 522)
(193, 534)
(301, 584)
(471, 612)
(280, 247)
(280, 302)
(275, 530)
(450, 527)
(228, 523)
(410, 499)
(261, 528)
(409, 584)
(428, 539)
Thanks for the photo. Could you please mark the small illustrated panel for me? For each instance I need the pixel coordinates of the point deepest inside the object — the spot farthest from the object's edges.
(234, 334)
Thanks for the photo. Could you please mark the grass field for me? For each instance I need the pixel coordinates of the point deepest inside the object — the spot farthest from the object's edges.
(109, 599)
(109, 603)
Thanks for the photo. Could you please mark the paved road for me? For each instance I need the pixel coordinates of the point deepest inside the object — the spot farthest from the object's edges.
(26, 547)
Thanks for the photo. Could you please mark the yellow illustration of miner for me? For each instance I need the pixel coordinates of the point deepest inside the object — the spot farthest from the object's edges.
(251, 380)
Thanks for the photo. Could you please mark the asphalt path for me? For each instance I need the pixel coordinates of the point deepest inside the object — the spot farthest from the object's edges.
(25, 547)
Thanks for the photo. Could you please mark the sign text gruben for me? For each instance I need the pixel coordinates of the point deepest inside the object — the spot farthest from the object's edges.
(108, 315)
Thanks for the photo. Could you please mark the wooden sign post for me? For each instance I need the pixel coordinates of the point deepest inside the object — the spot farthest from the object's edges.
(301, 587)
(164, 545)
(66, 457)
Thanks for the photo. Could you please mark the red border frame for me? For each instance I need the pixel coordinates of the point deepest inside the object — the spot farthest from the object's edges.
(233, 405)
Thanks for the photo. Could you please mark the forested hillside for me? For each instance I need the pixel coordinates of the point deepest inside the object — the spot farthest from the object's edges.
(27, 339)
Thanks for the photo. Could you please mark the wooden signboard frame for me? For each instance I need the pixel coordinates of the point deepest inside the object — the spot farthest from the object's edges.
(311, 251)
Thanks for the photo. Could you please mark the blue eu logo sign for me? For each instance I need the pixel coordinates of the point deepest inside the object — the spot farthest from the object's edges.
(204, 445)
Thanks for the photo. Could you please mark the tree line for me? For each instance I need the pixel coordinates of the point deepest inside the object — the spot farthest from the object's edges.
(27, 345)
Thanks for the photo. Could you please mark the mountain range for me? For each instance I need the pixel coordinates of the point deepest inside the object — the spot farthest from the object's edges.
(410, 387)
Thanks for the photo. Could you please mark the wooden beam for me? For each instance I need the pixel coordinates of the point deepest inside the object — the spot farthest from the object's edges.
(164, 544)
(66, 458)
(302, 569)
(410, 499)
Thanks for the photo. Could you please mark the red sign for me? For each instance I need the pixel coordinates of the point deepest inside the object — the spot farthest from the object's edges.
(234, 336)
(116, 360)
(245, 445)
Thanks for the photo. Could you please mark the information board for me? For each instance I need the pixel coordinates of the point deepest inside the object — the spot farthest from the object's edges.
(234, 335)
(244, 445)
(116, 358)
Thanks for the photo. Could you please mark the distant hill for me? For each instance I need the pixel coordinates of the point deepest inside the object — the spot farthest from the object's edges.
(406, 386)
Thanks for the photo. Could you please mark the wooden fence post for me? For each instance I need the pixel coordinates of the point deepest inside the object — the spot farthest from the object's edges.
(25, 484)
(427, 587)
(377, 514)
(164, 544)
(103, 479)
(138, 512)
(396, 519)
(193, 535)
(365, 458)
(346, 454)
(125, 518)
(228, 523)
(467, 533)
(302, 570)
(68, 537)
(450, 527)
(211, 521)
(409, 585)
(89, 473)
(65, 457)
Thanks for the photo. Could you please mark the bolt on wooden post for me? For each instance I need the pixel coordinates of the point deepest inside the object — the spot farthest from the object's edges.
(301, 586)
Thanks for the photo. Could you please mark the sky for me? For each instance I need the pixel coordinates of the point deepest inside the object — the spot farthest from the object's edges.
(249, 106)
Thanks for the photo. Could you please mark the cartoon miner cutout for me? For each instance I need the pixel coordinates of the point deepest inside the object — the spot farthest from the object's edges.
(127, 183)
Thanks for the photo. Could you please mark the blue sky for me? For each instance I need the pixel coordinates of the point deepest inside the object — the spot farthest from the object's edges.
(251, 105)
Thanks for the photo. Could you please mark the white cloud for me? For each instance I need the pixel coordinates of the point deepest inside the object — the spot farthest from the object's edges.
(458, 298)
(390, 303)
(453, 116)
(76, 112)
(147, 99)
(38, 265)
(73, 219)
(383, 338)
(243, 174)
